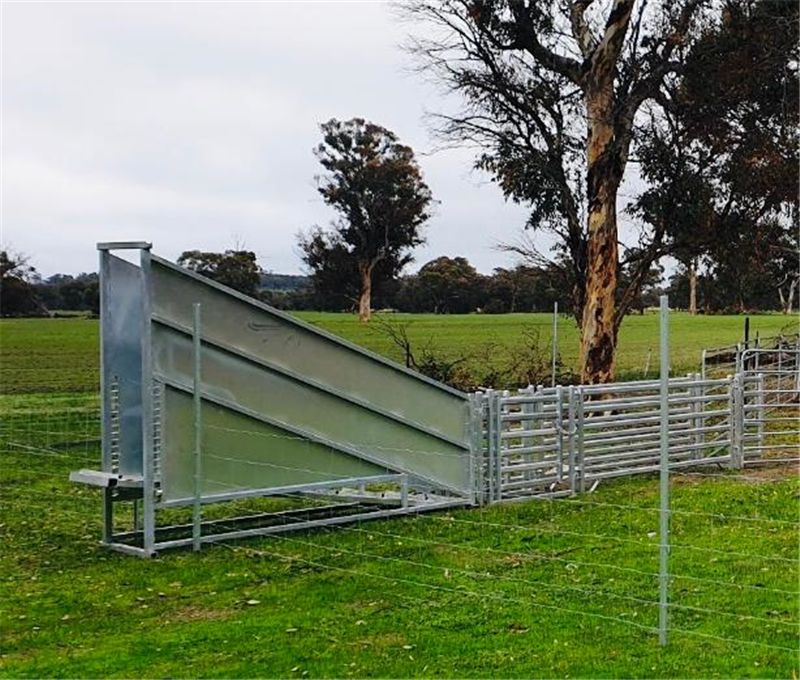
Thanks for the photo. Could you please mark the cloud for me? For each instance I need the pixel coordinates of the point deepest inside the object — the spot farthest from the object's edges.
(192, 125)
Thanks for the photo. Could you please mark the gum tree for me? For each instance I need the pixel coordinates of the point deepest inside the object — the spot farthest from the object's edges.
(552, 90)
(374, 183)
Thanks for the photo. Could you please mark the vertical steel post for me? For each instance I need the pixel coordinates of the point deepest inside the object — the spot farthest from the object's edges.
(148, 435)
(571, 438)
(737, 441)
(528, 423)
(700, 422)
(499, 412)
(580, 421)
(555, 342)
(492, 437)
(559, 423)
(197, 399)
(731, 418)
(760, 412)
(105, 406)
(475, 446)
(663, 578)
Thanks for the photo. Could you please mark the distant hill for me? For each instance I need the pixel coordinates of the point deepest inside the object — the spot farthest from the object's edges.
(284, 282)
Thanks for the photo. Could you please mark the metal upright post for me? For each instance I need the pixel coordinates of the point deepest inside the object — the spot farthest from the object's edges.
(664, 475)
(760, 412)
(571, 439)
(737, 390)
(581, 420)
(555, 342)
(197, 515)
(700, 422)
(491, 436)
(148, 447)
(559, 423)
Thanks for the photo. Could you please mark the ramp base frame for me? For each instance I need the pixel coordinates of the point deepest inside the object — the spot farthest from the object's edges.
(355, 504)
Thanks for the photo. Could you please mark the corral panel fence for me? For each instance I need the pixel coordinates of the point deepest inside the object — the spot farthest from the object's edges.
(563, 440)
(770, 404)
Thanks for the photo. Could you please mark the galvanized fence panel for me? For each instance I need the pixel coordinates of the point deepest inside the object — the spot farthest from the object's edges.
(770, 417)
(560, 440)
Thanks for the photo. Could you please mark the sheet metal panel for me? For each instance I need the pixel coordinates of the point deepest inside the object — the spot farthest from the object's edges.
(294, 346)
(243, 453)
(122, 287)
(305, 409)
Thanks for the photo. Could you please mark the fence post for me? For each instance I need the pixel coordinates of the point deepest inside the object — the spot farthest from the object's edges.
(664, 477)
(580, 417)
(761, 412)
(529, 423)
(571, 437)
(500, 411)
(197, 514)
(559, 423)
(555, 342)
(492, 437)
(737, 397)
(700, 423)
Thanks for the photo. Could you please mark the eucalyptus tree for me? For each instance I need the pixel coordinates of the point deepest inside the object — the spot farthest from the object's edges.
(552, 92)
(375, 184)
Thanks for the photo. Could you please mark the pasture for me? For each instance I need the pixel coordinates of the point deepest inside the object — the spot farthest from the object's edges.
(536, 589)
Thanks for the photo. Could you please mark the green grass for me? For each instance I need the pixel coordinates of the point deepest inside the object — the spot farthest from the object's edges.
(554, 592)
(39, 355)
(639, 334)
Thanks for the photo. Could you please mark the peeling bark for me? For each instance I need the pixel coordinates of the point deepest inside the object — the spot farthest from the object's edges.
(599, 336)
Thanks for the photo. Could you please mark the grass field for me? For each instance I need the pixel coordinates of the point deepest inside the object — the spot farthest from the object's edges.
(639, 335)
(61, 354)
(535, 589)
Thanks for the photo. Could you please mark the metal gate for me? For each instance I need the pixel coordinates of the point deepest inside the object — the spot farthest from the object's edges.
(562, 440)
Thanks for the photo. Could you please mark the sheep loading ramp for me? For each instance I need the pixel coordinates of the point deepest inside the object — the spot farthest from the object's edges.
(210, 396)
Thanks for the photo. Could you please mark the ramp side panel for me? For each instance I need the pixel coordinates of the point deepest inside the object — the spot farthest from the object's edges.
(121, 352)
(372, 436)
(240, 453)
(254, 329)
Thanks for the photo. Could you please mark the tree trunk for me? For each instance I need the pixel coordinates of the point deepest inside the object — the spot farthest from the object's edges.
(692, 286)
(365, 298)
(599, 337)
(790, 300)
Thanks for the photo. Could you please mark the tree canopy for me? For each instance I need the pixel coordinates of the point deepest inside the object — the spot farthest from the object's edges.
(237, 269)
(375, 185)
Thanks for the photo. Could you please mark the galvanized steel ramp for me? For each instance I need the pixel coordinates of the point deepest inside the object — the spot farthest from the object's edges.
(281, 408)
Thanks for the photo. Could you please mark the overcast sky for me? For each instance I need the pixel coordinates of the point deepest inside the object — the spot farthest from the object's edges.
(191, 125)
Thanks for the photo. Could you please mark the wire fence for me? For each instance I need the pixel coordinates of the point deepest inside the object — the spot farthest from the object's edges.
(588, 557)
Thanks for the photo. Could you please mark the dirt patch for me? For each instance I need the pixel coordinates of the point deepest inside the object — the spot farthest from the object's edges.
(194, 613)
(753, 475)
(772, 472)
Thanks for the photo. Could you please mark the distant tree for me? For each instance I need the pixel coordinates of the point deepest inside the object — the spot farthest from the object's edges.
(448, 285)
(237, 269)
(17, 295)
(527, 288)
(335, 276)
(376, 186)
